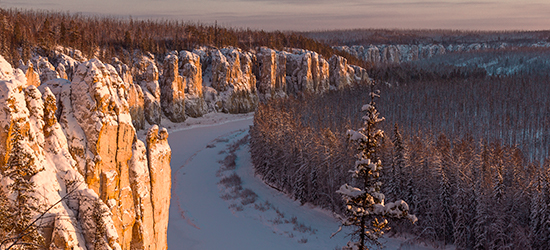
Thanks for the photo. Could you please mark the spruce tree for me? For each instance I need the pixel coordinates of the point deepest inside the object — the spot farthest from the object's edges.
(397, 184)
(540, 212)
(366, 211)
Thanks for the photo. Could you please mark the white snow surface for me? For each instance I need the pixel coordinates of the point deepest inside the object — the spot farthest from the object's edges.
(201, 219)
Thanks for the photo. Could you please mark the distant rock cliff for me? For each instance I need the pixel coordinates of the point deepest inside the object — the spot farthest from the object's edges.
(411, 52)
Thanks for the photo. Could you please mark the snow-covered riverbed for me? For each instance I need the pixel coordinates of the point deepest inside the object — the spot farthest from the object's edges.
(201, 219)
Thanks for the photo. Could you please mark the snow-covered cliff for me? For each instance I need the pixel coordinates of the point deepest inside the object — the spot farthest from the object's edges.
(395, 53)
(191, 70)
(411, 52)
(271, 74)
(81, 141)
(307, 72)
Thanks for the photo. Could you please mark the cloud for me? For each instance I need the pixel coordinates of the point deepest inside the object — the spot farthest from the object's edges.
(293, 2)
(306, 15)
(28, 4)
(424, 4)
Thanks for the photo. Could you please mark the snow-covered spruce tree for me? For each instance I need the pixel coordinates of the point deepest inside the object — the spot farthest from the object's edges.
(397, 184)
(366, 211)
(540, 211)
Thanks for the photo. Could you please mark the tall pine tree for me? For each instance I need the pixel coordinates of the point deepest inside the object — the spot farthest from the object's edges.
(365, 209)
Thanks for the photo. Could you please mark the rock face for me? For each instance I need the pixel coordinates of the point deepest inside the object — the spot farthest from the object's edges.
(341, 74)
(104, 117)
(190, 69)
(232, 78)
(136, 102)
(159, 155)
(134, 94)
(85, 145)
(272, 74)
(146, 74)
(307, 72)
(361, 75)
(45, 69)
(33, 78)
(172, 87)
(407, 52)
(67, 60)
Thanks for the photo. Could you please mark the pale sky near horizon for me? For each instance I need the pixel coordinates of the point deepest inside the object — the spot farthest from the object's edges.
(306, 15)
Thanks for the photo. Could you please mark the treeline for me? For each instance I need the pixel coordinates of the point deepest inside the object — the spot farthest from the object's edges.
(466, 161)
(24, 31)
(366, 37)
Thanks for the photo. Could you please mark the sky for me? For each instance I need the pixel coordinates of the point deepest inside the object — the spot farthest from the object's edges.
(315, 15)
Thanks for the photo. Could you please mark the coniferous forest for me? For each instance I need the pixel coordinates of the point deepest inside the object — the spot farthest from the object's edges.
(467, 150)
(24, 32)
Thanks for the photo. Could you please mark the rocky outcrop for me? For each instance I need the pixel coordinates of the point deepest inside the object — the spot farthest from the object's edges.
(390, 54)
(146, 74)
(341, 74)
(172, 90)
(140, 182)
(190, 69)
(31, 115)
(272, 74)
(136, 102)
(103, 115)
(307, 72)
(67, 60)
(159, 155)
(412, 52)
(233, 80)
(134, 94)
(361, 75)
(45, 69)
(33, 78)
(408, 52)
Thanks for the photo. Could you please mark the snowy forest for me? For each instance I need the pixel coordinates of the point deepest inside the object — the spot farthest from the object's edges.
(467, 149)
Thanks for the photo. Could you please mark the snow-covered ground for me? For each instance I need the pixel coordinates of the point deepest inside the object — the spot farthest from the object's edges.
(207, 213)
